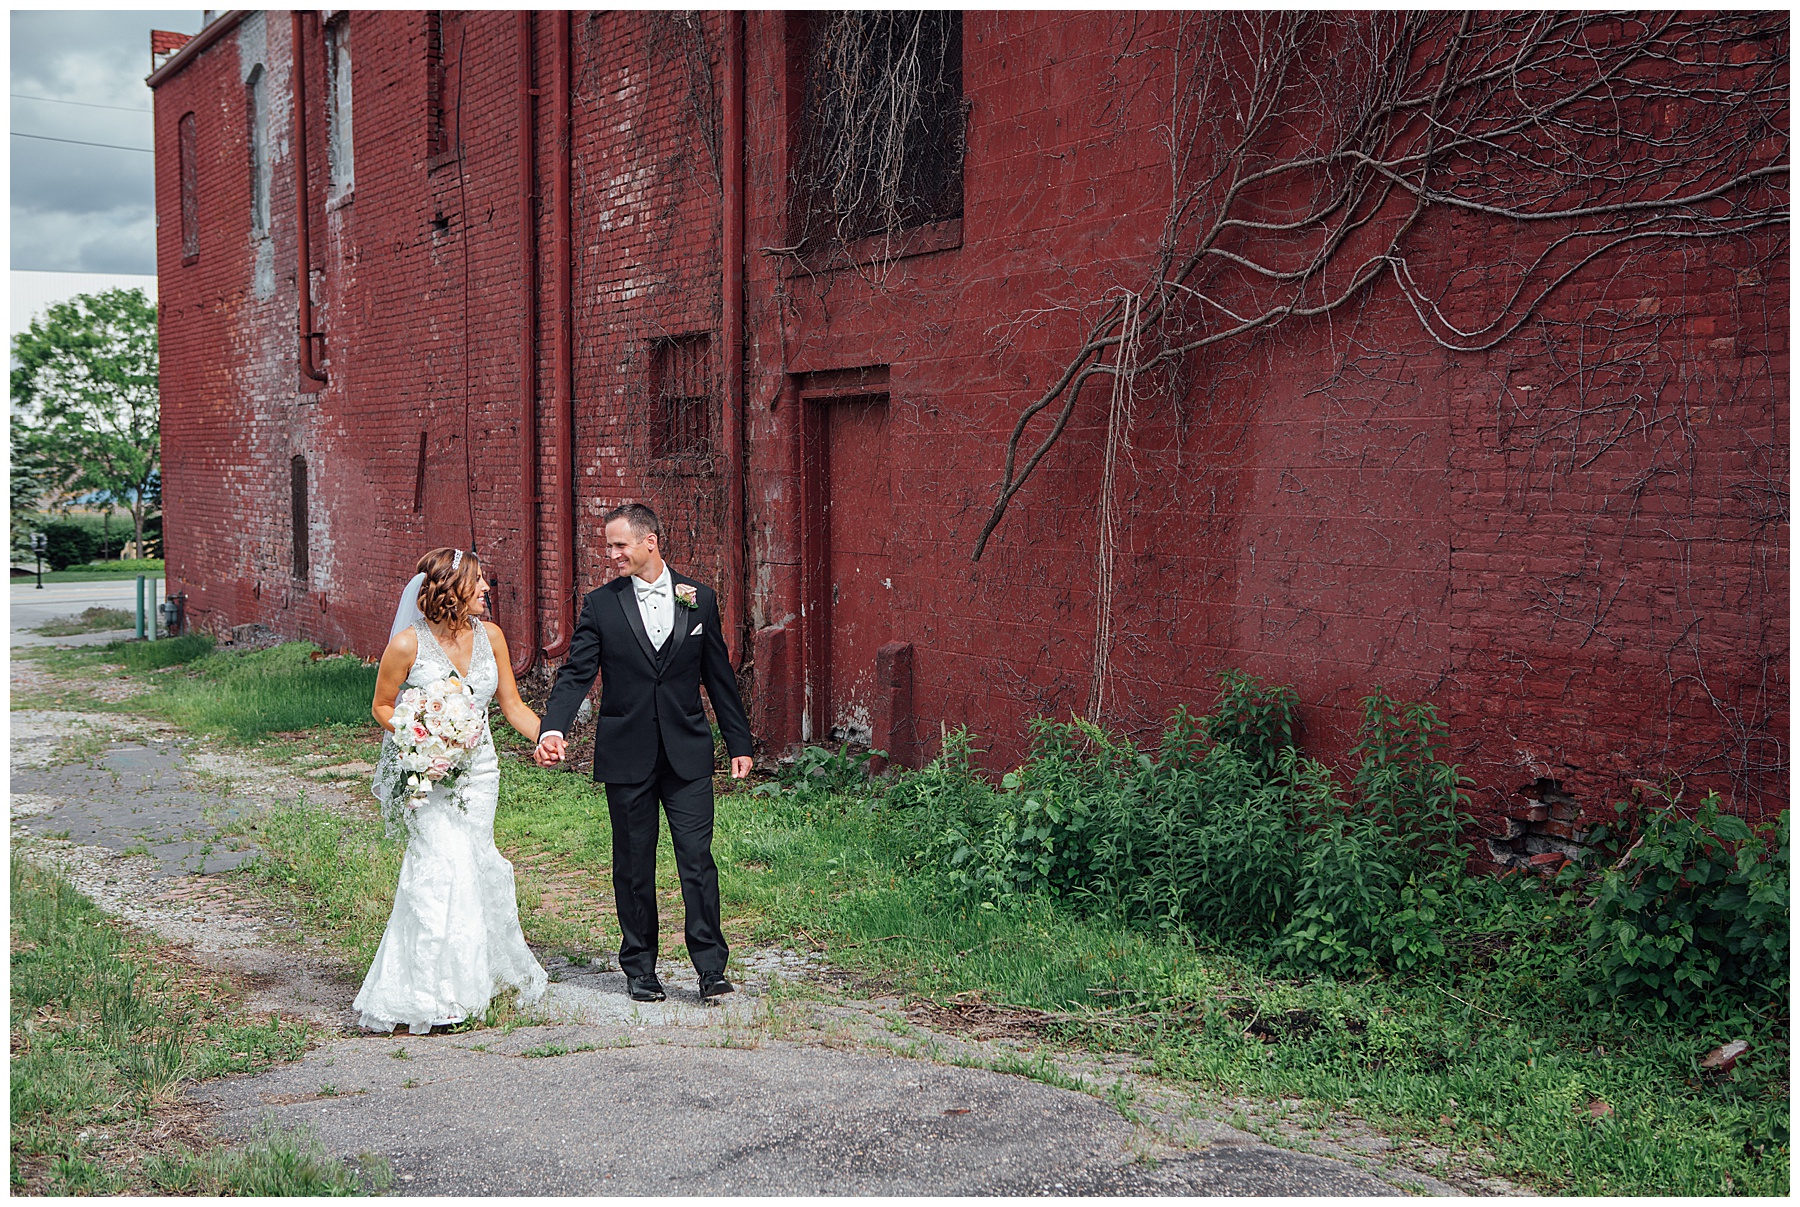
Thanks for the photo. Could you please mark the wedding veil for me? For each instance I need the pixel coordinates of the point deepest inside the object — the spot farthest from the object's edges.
(408, 612)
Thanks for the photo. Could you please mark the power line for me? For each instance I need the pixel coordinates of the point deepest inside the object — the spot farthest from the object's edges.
(86, 104)
(79, 143)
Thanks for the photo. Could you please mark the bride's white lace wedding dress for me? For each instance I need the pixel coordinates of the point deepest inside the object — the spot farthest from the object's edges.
(453, 939)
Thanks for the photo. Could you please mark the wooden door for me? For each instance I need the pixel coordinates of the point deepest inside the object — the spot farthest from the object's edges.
(849, 586)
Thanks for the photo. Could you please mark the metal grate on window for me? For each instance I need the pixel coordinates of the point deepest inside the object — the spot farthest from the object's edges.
(682, 390)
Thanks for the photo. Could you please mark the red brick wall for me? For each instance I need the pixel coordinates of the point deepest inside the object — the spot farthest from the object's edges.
(1337, 505)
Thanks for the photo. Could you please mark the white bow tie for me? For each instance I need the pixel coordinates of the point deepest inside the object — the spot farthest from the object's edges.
(645, 592)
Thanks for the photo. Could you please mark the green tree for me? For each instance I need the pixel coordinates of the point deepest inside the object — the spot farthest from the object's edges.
(85, 406)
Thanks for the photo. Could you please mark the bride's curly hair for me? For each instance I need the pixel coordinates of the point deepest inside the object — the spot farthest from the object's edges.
(446, 594)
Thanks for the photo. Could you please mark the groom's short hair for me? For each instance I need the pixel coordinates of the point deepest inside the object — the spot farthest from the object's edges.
(641, 518)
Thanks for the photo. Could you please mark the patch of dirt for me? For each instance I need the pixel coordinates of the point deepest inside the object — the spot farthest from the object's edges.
(967, 1014)
(29, 679)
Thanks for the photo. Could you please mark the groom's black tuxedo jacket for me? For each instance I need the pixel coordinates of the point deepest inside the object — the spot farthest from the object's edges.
(646, 692)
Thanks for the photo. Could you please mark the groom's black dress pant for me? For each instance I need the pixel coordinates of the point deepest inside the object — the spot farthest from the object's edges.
(689, 805)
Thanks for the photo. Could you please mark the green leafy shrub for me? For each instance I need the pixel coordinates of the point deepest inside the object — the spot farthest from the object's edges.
(817, 771)
(1414, 798)
(1694, 915)
(68, 544)
(1226, 831)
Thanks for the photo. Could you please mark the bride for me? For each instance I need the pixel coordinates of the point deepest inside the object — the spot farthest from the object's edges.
(453, 938)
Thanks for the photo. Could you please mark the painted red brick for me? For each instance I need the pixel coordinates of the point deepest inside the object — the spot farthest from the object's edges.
(1415, 524)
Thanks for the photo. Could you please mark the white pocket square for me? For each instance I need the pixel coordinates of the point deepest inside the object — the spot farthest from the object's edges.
(696, 631)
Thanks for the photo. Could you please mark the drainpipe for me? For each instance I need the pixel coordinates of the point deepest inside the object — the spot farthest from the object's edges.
(732, 291)
(525, 648)
(311, 376)
(562, 332)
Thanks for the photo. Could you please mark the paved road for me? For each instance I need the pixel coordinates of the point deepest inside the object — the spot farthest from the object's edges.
(31, 607)
(650, 1111)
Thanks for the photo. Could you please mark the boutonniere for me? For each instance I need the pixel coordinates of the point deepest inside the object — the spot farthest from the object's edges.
(686, 596)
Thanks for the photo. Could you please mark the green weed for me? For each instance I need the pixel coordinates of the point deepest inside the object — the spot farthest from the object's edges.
(337, 872)
(102, 1041)
(91, 620)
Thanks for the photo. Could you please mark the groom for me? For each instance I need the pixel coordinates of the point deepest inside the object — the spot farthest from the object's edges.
(654, 636)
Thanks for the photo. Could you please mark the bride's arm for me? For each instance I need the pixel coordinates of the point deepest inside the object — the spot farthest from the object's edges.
(396, 661)
(517, 714)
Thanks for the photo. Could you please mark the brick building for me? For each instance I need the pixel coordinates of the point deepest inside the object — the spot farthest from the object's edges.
(559, 261)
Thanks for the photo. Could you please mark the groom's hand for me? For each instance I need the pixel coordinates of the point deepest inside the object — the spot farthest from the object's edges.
(550, 750)
(740, 766)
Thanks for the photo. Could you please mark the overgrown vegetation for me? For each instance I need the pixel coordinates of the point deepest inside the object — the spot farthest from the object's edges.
(1254, 923)
(104, 1035)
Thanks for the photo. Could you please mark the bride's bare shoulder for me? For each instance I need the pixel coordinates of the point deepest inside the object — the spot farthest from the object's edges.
(495, 636)
(405, 642)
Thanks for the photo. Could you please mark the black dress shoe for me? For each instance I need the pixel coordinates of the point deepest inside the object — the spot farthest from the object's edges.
(714, 984)
(644, 988)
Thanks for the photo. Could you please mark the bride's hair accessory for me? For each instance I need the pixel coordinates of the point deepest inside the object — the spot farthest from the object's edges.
(456, 560)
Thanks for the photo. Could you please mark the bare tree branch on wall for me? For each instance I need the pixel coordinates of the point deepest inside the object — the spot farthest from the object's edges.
(1308, 151)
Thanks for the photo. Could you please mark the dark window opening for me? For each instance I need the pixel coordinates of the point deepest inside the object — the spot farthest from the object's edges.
(681, 387)
(302, 562)
(419, 479)
(189, 139)
(880, 133)
(443, 82)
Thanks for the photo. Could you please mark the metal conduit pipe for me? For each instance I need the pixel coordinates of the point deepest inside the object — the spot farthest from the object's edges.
(563, 333)
(309, 369)
(732, 290)
(525, 645)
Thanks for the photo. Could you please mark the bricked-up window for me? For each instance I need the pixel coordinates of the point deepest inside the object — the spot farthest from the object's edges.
(302, 562)
(881, 128)
(681, 386)
(340, 146)
(189, 139)
(256, 100)
(443, 81)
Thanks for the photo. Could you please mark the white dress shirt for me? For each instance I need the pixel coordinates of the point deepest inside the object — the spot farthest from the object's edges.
(656, 603)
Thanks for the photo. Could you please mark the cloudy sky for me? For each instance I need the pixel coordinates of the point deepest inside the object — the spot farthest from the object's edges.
(84, 208)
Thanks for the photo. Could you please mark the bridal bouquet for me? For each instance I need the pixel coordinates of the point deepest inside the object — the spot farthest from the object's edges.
(436, 728)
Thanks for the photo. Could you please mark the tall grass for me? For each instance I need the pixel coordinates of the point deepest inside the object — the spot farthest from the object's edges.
(287, 687)
(337, 872)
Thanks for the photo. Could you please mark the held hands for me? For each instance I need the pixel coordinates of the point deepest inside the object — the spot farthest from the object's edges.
(550, 750)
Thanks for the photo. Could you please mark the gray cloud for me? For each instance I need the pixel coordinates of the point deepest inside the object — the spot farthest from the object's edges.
(78, 208)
